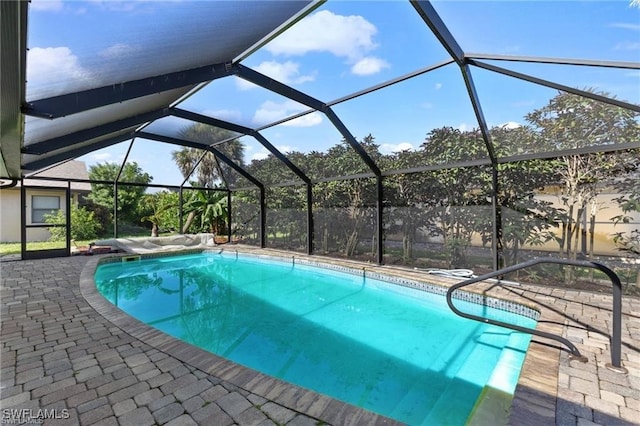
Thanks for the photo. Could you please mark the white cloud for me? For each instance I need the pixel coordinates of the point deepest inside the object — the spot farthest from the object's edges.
(284, 148)
(271, 111)
(348, 37)
(324, 31)
(47, 66)
(260, 155)
(309, 120)
(369, 65)
(510, 125)
(243, 84)
(438, 86)
(464, 127)
(387, 148)
(287, 73)
(116, 5)
(232, 115)
(46, 5)
(118, 51)
(627, 45)
(264, 153)
(101, 156)
(626, 26)
(109, 155)
(404, 146)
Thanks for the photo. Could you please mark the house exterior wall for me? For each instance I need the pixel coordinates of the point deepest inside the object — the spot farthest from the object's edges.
(607, 208)
(10, 215)
(10, 230)
(41, 234)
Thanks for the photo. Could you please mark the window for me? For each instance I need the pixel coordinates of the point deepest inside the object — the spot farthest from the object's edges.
(42, 205)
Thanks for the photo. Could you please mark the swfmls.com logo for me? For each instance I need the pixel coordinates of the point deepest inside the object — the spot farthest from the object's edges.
(30, 416)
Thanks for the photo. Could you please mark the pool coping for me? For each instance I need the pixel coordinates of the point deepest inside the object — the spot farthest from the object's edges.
(489, 408)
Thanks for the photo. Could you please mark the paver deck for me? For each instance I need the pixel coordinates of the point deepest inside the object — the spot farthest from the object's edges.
(70, 354)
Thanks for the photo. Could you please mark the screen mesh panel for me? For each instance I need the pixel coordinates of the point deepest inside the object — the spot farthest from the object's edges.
(39, 129)
(245, 217)
(287, 218)
(345, 220)
(210, 32)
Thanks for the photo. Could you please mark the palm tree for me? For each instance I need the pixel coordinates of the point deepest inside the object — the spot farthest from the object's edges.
(207, 171)
(152, 203)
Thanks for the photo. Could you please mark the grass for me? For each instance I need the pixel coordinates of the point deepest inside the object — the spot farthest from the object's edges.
(15, 248)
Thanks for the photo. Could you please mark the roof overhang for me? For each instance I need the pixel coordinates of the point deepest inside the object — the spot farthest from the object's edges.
(12, 68)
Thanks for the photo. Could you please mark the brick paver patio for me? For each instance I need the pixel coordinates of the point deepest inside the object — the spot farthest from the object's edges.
(67, 352)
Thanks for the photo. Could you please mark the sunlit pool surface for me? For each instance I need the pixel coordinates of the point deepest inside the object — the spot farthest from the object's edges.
(397, 351)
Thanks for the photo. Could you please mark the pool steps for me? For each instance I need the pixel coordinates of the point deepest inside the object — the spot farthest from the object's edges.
(493, 405)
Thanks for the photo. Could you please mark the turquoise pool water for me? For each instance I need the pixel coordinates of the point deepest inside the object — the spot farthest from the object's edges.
(394, 350)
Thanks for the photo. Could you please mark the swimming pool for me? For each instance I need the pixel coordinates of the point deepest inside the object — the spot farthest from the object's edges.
(392, 349)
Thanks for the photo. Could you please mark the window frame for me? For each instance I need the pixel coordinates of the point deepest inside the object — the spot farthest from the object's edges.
(37, 214)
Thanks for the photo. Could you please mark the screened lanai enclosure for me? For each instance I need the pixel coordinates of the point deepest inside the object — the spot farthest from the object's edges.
(430, 134)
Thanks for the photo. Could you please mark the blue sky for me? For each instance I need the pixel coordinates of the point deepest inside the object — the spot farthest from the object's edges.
(343, 47)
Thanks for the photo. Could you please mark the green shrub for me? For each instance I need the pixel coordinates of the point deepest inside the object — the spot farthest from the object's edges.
(84, 225)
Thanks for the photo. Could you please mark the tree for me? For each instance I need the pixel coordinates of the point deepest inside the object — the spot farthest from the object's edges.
(84, 225)
(456, 194)
(128, 195)
(525, 218)
(570, 122)
(346, 204)
(155, 205)
(207, 172)
(211, 207)
(169, 217)
(629, 202)
(286, 205)
(245, 220)
(405, 198)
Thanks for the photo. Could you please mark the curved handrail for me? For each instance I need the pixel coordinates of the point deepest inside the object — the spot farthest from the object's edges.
(616, 339)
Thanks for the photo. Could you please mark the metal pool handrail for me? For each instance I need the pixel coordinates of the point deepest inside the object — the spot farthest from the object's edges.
(616, 339)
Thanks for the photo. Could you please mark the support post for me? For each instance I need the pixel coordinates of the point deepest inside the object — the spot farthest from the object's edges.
(23, 219)
(263, 219)
(180, 202)
(115, 209)
(229, 216)
(380, 211)
(310, 234)
(68, 217)
(498, 258)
